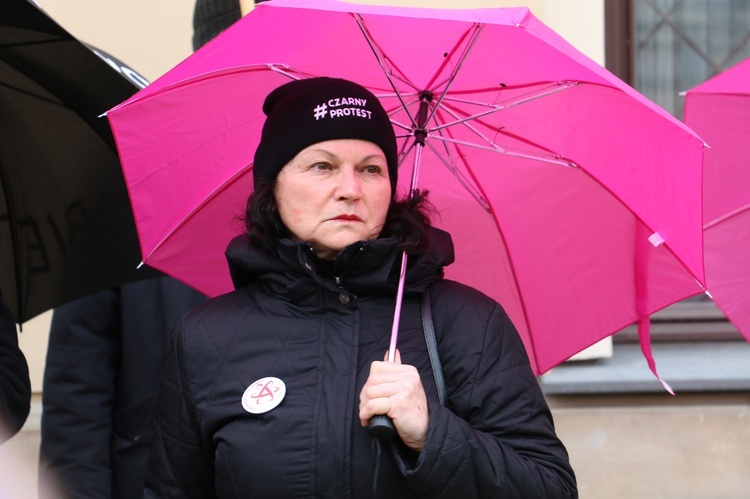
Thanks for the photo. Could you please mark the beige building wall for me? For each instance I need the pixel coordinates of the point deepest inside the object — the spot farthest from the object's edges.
(149, 35)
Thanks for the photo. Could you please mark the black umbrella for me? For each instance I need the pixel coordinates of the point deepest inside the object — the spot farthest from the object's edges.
(66, 225)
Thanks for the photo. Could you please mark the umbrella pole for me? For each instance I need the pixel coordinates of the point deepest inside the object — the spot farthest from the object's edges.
(397, 311)
(381, 426)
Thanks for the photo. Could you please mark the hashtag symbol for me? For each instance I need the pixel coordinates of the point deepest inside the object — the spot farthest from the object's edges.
(320, 111)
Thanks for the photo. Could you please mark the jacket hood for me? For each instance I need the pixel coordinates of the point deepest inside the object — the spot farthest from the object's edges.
(365, 267)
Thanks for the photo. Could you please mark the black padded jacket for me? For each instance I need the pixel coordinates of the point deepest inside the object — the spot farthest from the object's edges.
(317, 328)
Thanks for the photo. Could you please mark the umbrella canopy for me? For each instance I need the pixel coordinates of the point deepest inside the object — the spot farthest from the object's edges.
(66, 226)
(572, 199)
(719, 110)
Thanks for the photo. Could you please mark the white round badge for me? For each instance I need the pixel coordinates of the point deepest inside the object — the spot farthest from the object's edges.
(263, 395)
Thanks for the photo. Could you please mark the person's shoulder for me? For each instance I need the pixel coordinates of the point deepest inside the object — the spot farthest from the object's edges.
(451, 299)
(215, 321)
(228, 303)
(458, 293)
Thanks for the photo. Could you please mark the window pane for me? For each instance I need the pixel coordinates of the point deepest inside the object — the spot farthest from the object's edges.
(681, 43)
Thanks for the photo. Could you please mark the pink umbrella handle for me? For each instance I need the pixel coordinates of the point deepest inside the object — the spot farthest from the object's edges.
(381, 426)
(397, 311)
(420, 134)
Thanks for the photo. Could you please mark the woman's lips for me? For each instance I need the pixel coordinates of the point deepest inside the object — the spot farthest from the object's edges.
(354, 218)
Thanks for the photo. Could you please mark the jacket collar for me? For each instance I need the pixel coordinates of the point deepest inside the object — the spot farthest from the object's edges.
(363, 268)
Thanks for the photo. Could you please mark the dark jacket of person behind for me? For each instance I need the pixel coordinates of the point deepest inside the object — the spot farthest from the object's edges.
(15, 386)
(105, 355)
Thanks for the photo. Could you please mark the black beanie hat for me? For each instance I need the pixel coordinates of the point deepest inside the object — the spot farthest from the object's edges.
(304, 112)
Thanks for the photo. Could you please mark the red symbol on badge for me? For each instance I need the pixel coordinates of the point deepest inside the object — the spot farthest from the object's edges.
(263, 395)
(264, 390)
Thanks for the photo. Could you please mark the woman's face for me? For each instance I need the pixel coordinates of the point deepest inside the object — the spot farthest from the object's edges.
(334, 193)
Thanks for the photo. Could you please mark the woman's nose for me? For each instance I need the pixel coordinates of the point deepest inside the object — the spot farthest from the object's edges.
(348, 184)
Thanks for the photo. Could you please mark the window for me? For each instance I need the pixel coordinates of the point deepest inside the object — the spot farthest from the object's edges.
(664, 47)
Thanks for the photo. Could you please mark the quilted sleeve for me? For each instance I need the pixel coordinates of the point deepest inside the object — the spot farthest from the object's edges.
(180, 465)
(80, 384)
(496, 436)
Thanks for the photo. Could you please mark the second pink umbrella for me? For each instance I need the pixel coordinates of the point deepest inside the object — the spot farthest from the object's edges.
(719, 110)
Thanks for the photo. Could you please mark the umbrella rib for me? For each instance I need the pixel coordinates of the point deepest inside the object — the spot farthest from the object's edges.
(517, 286)
(538, 94)
(291, 73)
(477, 30)
(494, 147)
(395, 110)
(484, 200)
(450, 165)
(380, 57)
(481, 197)
(216, 192)
(478, 194)
(406, 149)
(30, 94)
(726, 216)
(390, 74)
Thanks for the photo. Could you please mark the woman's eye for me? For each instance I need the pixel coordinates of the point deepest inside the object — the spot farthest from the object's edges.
(373, 169)
(321, 166)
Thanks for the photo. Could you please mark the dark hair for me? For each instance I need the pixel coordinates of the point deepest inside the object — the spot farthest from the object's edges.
(407, 220)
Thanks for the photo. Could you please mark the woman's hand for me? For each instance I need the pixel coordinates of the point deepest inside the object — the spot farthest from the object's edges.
(396, 390)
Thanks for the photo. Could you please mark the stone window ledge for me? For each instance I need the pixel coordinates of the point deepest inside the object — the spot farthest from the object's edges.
(698, 366)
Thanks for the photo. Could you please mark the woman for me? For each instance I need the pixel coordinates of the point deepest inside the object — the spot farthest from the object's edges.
(268, 389)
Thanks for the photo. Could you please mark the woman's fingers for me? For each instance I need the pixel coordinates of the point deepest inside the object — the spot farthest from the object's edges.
(396, 390)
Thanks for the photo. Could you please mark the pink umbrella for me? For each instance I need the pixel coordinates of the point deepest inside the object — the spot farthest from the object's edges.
(719, 109)
(572, 199)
